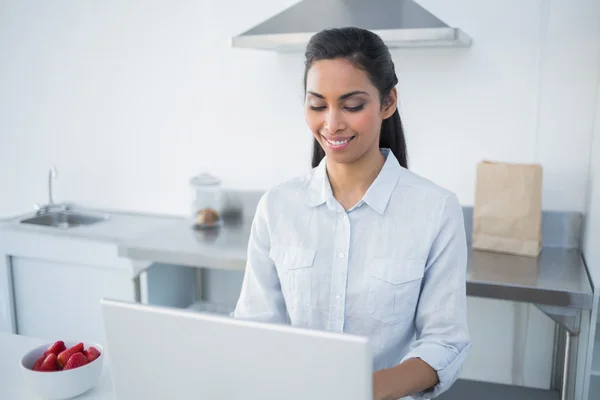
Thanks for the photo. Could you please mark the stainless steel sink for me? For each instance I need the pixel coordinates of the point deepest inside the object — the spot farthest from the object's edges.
(61, 215)
(65, 219)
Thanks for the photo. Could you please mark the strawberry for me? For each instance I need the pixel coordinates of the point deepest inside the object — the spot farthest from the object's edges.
(91, 353)
(49, 364)
(75, 361)
(38, 363)
(56, 348)
(64, 356)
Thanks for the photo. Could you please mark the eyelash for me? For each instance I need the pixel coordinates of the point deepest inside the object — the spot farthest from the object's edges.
(350, 109)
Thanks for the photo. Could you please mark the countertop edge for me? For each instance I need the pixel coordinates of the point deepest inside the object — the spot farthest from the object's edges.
(561, 298)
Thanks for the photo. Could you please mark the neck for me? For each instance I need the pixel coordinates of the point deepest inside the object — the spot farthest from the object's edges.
(351, 181)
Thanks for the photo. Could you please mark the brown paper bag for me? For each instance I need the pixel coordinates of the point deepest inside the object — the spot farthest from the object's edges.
(507, 215)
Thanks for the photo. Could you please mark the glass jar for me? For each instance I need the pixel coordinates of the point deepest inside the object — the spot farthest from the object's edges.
(207, 201)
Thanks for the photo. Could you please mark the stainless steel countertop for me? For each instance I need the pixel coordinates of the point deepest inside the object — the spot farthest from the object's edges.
(178, 243)
(120, 226)
(558, 277)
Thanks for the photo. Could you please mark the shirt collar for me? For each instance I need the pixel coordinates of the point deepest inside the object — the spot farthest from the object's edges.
(376, 197)
(319, 188)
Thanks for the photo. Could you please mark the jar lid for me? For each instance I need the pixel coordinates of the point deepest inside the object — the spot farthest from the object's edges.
(204, 179)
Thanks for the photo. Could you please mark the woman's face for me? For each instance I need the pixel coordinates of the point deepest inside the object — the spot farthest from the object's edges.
(343, 110)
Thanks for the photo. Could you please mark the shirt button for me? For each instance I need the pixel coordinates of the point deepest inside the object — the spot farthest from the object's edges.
(338, 296)
(341, 255)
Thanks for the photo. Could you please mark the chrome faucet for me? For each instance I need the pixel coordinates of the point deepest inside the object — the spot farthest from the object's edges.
(51, 206)
(52, 174)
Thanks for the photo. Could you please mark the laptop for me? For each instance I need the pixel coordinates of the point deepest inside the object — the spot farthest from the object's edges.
(160, 353)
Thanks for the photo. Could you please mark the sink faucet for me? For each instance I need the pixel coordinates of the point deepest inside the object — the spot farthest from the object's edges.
(53, 173)
(51, 206)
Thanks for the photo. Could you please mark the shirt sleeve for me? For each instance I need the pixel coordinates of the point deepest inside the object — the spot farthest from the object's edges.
(442, 336)
(261, 298)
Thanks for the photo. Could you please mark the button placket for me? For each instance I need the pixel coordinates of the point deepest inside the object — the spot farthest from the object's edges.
(340, 273)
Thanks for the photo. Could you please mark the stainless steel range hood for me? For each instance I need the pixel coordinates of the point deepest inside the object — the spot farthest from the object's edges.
(400, 23)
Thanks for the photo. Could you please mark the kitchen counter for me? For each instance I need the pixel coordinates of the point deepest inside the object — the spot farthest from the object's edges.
(557, 278)
(178, 243)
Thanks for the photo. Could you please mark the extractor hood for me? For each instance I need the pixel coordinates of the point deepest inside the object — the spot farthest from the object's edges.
(400, 23)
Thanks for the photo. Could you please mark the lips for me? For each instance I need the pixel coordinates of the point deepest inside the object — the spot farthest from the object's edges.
(338, 142)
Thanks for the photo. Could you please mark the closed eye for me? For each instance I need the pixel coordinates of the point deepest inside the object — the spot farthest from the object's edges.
(355, 109)
(350, 109)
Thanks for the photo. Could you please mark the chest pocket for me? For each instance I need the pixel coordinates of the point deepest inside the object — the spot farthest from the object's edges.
(295, 266)
(394, 289)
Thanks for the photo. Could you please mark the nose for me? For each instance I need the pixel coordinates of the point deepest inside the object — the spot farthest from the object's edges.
(334, 121)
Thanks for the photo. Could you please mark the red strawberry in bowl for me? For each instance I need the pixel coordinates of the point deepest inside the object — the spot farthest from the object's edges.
(56, 348)
(49, 364)
(75, 361)
(91, 353)
(38, 363)
(65, 355)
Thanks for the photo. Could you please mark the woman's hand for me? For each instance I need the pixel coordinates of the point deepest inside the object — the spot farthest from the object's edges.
(410, 377)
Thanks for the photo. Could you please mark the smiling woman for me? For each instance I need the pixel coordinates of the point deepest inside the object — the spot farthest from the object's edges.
(361, 244)
(352, 80)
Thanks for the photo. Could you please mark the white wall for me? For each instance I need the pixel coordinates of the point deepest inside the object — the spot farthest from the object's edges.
(129, 99)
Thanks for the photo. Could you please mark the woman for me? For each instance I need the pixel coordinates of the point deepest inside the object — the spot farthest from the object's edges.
(360, 244)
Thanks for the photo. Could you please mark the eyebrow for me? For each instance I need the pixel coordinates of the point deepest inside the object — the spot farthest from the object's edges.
(342, 97)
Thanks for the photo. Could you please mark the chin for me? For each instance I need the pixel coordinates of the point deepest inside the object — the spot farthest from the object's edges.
(342, 157)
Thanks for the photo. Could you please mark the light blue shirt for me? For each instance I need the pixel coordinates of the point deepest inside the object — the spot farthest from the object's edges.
(391, 268)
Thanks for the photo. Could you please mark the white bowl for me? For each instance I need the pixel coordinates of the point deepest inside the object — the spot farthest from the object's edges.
(60, 385)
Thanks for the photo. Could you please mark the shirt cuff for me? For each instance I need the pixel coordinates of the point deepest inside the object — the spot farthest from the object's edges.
(444, 360)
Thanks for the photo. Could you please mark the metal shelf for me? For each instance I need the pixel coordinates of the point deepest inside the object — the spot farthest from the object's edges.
(471, 390)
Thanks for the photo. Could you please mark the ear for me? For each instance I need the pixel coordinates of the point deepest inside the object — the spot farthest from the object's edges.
(390, 105)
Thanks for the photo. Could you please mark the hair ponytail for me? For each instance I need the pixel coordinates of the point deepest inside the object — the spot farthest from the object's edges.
(391, 136)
